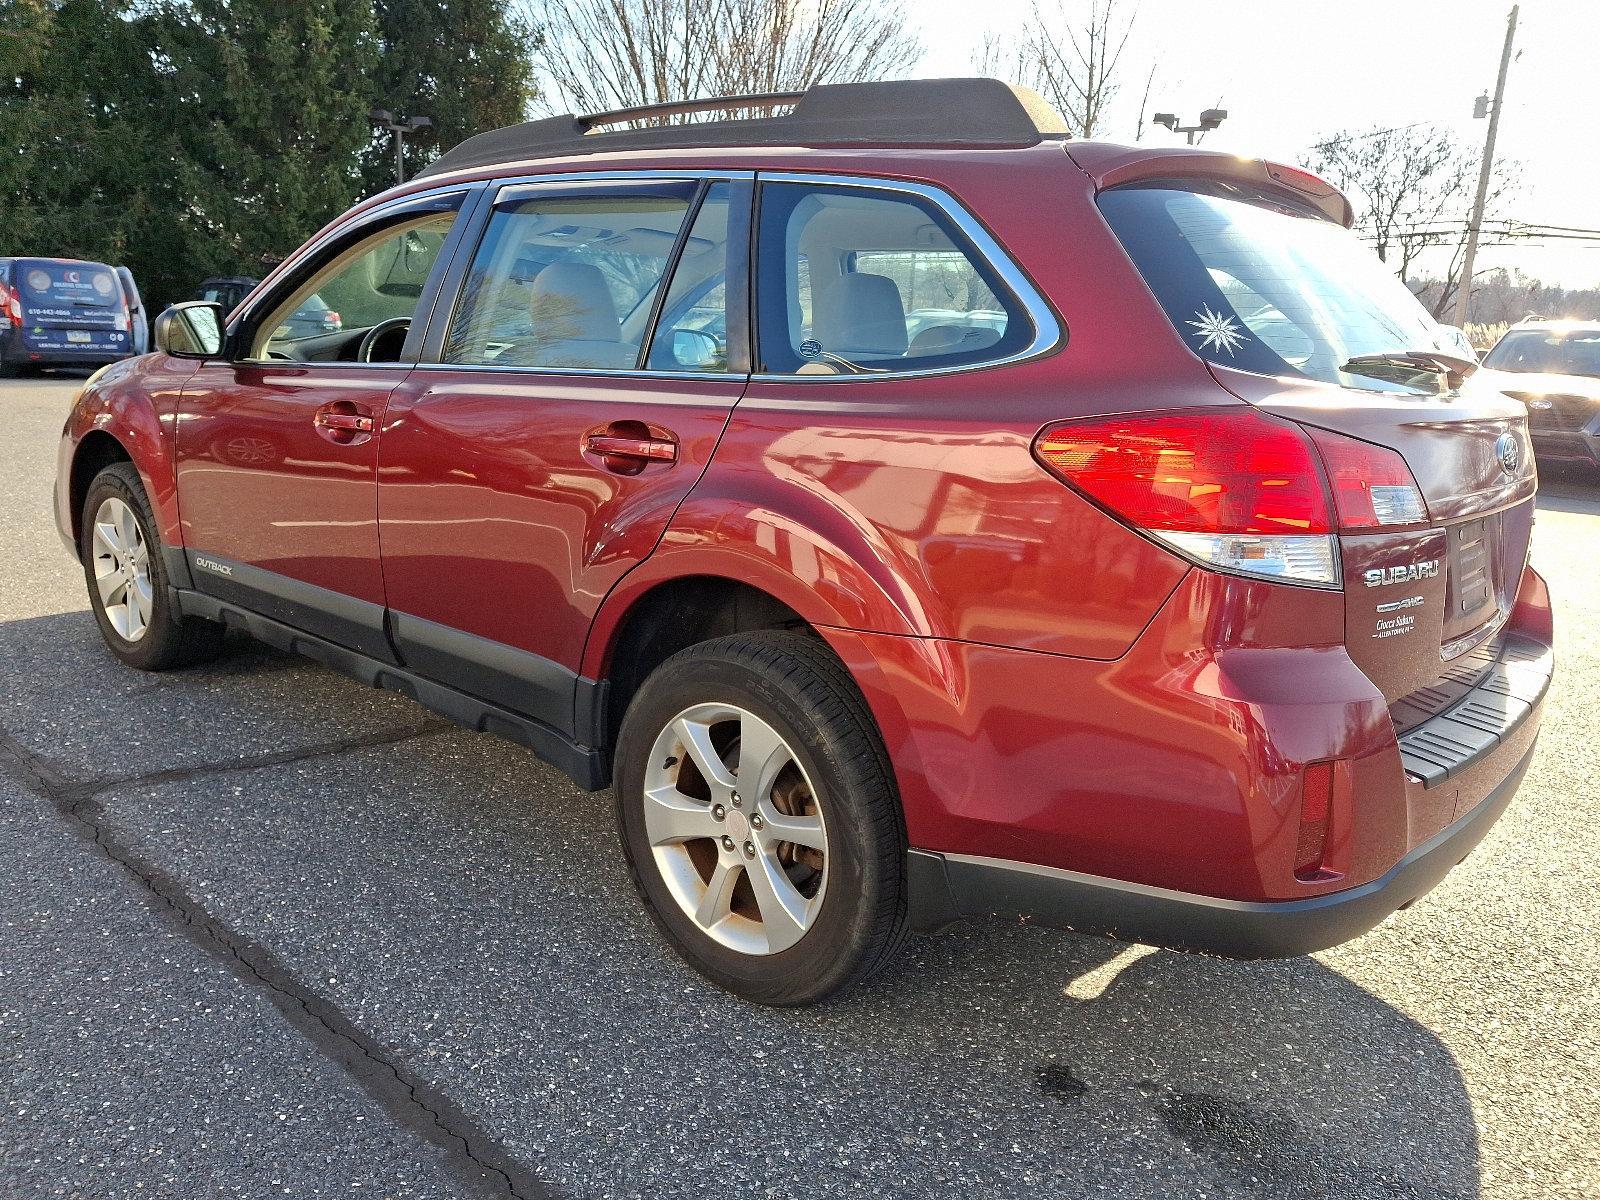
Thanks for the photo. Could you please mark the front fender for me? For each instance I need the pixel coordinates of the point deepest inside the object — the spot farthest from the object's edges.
(135, 403)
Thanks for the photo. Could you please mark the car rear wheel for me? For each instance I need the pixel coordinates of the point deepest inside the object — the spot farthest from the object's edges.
(127, 579)
(759, 818)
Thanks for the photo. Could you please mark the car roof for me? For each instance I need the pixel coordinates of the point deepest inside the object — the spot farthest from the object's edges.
(46, 258)
(896, 126)
(925, 112)
(1556, 325)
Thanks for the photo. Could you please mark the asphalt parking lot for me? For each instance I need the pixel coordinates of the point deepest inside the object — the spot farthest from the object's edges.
(268, 932)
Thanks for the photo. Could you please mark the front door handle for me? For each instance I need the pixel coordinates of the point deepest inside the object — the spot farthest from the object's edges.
(648, 449)
(343, 424)
(351, 422)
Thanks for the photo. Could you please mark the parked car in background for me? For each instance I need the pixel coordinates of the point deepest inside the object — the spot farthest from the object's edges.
(138, 316)
(1553, 367)
(61, 312)
(1167, 579)
(226, 290)
(311, 319)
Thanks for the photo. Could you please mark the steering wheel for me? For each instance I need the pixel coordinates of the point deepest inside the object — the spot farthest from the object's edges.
(372, 342)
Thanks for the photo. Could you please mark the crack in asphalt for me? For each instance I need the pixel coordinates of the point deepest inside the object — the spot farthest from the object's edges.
(470, 1153)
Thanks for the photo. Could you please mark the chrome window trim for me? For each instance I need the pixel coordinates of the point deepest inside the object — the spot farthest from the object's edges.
(566, 372)
(1048, 333)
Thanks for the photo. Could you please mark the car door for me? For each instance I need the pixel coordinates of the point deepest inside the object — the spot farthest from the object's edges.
(563, 408)
(277, 449)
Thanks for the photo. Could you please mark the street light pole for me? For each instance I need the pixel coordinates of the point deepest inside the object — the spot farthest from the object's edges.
(382, 118)
(1209, 120)
(1468, 259)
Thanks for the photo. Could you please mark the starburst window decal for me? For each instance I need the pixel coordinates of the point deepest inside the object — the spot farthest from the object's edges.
(1217, 331)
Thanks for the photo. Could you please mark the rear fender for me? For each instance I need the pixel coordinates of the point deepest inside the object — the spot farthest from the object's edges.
(831, 570)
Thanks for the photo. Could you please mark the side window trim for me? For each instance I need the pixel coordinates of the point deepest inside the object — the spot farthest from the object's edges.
(1049, 333)
(497, 191)
(457, 198)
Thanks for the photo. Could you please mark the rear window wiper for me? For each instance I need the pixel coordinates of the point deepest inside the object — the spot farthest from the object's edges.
(1453, 367)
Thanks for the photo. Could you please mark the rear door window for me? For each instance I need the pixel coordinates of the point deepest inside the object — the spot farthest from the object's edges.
(567, 277)
(861, 280)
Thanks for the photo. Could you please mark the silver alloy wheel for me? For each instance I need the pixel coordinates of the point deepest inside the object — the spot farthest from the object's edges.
(736, 829)
(122, 569)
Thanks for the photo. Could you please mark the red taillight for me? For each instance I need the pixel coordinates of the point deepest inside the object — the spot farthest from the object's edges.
(1372, 486)
(1233, 472)
(330, 318)
(1316, 802)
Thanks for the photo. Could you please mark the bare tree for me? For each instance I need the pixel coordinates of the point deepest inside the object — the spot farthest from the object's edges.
(1410, 187)
(1072, 61)
(596, 55)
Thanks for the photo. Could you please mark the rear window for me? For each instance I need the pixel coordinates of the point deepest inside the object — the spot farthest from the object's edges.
(87, 294)
(1556, 351)
(1250, 280)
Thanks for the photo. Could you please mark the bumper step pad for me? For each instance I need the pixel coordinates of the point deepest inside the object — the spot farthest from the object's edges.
(1446, 745)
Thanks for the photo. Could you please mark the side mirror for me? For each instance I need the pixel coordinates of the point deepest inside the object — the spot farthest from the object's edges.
(696, 351)
(192, 329)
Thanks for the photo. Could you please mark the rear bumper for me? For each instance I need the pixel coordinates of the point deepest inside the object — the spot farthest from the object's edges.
(948, 887)
(14, 350)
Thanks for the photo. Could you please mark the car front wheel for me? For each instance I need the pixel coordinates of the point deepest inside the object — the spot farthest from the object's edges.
(127, 578)
(759, 817)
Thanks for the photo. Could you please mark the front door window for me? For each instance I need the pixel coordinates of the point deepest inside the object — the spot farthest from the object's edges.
(359, 305)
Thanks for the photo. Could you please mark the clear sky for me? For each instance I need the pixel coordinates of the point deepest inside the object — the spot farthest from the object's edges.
(1290, 71)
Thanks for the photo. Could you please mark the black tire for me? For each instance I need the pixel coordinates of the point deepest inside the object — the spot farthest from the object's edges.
(794, 684)
(169, 639)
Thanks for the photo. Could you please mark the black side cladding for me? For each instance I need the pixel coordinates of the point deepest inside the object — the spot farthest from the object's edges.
(964, 112)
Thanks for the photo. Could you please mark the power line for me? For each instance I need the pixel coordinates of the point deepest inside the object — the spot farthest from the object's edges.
(1371, 133)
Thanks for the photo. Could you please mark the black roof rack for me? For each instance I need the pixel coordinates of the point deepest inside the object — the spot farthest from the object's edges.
(945, 112)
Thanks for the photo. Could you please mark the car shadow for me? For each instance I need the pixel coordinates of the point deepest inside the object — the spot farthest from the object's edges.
(1284, 1079)
(468, 907)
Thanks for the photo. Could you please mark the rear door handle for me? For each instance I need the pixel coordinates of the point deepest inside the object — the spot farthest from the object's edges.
(648, 449)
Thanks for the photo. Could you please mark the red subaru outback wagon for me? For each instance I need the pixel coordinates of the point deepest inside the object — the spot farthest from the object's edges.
(911, 513)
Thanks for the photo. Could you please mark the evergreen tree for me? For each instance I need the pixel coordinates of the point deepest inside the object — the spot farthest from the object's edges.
(270, 108)
(463, 63)
(85, 156)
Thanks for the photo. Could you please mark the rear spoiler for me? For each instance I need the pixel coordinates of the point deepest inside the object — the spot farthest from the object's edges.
(1111, 165)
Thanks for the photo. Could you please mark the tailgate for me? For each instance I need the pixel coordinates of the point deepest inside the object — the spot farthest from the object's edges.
(1423, 606)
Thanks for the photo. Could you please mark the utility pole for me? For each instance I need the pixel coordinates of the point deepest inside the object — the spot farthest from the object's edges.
(1464, 288)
